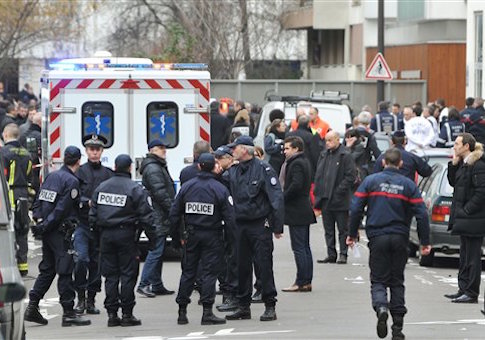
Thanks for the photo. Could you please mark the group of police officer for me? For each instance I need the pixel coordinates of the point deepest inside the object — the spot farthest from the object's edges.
(233, 205)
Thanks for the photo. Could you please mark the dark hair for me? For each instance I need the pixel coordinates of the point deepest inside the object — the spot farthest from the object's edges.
(440, 101)
(240, 103)
(234, 135)
(295, 142)
(392, 157)
(31, 107)
(276, 114)
(383, 106)
(352, 133)
(274, 125)
(467, 138)
(417, 109)
(10, 108)
(453, 113)
(398, 140)
(69, 161)
(469, 101)
(396, 105)
(214, 107)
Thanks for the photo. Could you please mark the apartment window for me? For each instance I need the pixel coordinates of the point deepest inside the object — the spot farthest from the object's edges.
(478, 53)
(410, 10)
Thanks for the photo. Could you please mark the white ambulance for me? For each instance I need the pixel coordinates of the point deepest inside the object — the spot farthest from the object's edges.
(129, 101)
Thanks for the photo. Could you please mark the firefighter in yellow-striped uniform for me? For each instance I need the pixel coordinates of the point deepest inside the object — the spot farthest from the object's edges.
(18, 172)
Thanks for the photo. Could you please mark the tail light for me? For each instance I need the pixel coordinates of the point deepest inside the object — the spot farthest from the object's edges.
(440, 213)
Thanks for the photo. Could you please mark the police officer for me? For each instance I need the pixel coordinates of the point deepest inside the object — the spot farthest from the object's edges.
(86, 242)
(384, 121)
(205, 203)
(117, 205)
(257, 198)
(411, 163)
(55, 212)
(451, 129)
(18, 170)
(391, 200)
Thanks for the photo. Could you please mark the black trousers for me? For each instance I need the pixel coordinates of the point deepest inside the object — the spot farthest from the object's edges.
(470, 268)
(387, 260)
(21, 239)
(254, 239)
(204, 247)
(329, 219)
(55, 260)
(228, 276)
(119, 265)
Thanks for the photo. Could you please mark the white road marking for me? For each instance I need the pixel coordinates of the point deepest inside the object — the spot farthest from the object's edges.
(200, 335)
(358, 278)
(458, 322)
(145, 338)
(423, 280)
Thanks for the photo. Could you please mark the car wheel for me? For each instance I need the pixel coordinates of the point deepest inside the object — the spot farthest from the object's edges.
(427, 260)
(412, 249)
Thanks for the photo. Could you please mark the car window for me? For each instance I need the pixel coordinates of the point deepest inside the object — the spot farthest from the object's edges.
(435, 180)
(425, 186)
(446, 189)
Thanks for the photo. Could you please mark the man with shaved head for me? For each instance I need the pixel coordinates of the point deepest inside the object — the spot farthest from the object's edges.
(334, 180)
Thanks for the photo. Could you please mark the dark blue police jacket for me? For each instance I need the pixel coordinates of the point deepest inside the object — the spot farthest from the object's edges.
(449, 131)
(391, 200)
(384, 121)
(58, 199)
(257, 193)
(205, 203)
(410, 164)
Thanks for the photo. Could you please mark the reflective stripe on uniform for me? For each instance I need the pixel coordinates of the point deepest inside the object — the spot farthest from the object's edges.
(23, 266)
(11, 179)
(29, 167)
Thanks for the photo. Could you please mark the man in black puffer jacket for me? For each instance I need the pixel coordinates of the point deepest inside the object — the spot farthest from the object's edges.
(159, 184)
(466, 174)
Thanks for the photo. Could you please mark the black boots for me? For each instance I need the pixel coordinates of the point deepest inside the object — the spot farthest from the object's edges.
(241, 313)
(81, 302)
(382, 315)
(269, 314)
(32, 314)
(70, 318)
(228, 305)
(208, 318)
(113, 319)
(397, 323)
(182, 319)
(129, 320)
(90, 307)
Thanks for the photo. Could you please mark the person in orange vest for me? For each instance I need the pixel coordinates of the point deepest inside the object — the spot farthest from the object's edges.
(294, 123)
(318, 125)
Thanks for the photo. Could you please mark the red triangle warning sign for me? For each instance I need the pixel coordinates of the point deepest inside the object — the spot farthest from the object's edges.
(378, 69)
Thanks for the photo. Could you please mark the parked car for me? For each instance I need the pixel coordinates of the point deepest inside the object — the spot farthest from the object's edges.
(12, 290)
(437, 195)
(328, 103)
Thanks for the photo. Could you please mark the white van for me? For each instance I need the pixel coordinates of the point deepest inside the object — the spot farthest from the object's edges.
(130, 101)
(328, 105)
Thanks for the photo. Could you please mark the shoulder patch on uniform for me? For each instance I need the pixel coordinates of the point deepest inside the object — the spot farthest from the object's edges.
(274, 181)
(115, 200)
(149, 200)
(229, 198)
(74, 193)
(47, 195)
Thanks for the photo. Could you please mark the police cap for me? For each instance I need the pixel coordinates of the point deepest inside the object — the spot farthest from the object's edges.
(72, 152)
(222, 151)
(123, 161)
(154, 143)
(95, 140)
(207, 162)
(242, 140)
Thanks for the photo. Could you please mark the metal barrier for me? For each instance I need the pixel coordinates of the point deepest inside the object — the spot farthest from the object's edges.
(361, 92)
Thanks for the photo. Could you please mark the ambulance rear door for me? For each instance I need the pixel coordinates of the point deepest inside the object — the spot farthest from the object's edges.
(159, 114)
(101, 112)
